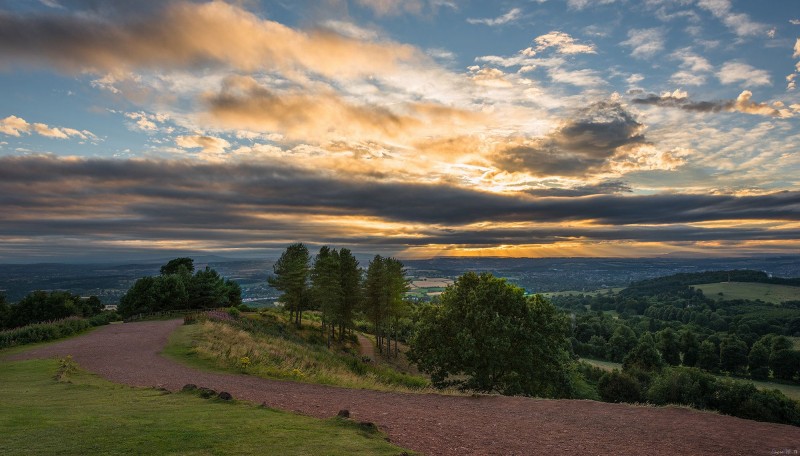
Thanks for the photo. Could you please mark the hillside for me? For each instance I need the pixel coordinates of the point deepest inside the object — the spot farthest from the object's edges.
(767, 292)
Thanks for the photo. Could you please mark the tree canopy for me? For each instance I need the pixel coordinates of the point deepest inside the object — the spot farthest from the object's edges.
(485, 335)
(176, 288)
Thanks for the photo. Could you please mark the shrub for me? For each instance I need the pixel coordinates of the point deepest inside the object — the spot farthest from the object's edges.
(616, 386)
(42, 332)
(686, 386)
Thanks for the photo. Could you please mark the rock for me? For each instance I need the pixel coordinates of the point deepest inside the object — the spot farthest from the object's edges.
(225, 396)
(368, 426)
(189, 387)
(344, 413)
(206, 393)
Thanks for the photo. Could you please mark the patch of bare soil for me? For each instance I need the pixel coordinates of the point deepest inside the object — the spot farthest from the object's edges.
(441, 425)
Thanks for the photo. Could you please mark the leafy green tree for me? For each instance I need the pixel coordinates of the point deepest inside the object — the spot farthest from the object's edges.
(621, 342)
(177, 288)
(733, 354)
(682, 385)
(5, 311)
(142, 297)
(485, 335)
(708, 356)
(667, 344)
(291, 277)
(785, 364)
(180, 266)
(644, 356)
(758, 359)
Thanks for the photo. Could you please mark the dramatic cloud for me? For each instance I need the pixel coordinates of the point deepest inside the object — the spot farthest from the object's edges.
(581, 4)
(645, 43)
(511, 16)
(245, 104)
(580, 146)
(743, 103)
(16, 126)
(185, 35)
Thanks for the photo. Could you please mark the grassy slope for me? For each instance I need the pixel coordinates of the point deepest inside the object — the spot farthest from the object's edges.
(791, 391)
(774, 294)
(218, 346)
(87, 415)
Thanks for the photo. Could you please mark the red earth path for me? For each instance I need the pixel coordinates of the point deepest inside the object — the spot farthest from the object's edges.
(440, 425)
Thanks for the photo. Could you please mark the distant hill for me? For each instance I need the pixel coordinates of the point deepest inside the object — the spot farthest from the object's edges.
(680, 282)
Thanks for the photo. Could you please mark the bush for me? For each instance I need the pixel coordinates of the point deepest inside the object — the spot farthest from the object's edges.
(616, 386)
(42, 332)
(683, 385)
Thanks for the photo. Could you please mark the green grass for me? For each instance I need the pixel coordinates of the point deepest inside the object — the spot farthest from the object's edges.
(88, 415)
(791, 391)
(285, 355)
(767, 292)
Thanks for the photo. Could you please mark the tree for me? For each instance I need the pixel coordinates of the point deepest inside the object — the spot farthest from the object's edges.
(758, 359)
(326, 288)
(384, 288)
(350, 280)
(785, 364)
(690, 348)
(180, 266)
(708, 356)
(485, 335)
(644, 356)
(177, 288)
(667, 344)
(207, 290)
(733, 354)
(621, 342)
(291, 277)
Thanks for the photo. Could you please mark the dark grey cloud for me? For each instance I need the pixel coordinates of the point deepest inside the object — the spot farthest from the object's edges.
(612, 186)
(95, 203)
(581, 145)
(685, 103)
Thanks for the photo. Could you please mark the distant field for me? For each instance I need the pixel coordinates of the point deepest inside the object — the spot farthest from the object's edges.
(588, 293)
(792, 391)
(766, 292)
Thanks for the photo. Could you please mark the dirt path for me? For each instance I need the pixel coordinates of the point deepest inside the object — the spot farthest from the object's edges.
(441, 425)
(365, 346)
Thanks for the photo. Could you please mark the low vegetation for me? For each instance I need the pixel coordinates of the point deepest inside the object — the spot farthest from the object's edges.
(44, 332)
(83, 414)
(268, 345)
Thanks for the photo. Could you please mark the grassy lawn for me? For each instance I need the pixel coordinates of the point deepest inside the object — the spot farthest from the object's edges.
(88, 415)
(774, 294)
(791, 391)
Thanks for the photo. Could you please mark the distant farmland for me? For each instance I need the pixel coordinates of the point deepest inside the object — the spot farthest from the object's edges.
(726, 291)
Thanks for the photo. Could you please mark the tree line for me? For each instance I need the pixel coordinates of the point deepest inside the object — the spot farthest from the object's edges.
(179, 287)
(335, 284)
(40, 306)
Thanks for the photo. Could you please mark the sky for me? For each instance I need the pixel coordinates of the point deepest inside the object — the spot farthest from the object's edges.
(413, 128)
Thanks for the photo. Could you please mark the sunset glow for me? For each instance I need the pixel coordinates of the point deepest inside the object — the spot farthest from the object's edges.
(415, 128)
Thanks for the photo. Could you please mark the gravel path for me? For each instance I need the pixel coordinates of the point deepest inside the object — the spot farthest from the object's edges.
(441, 425)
